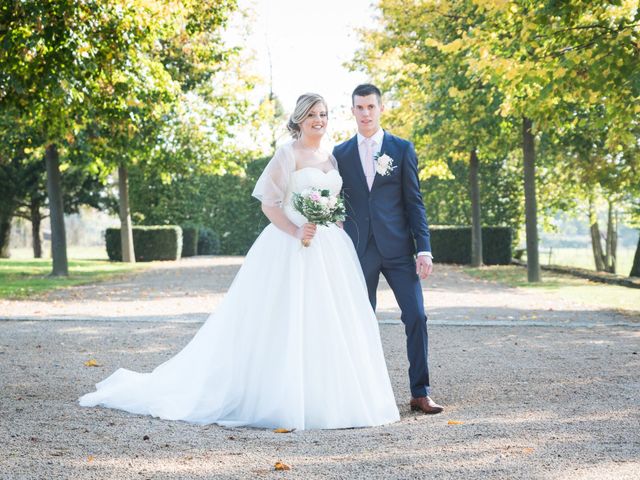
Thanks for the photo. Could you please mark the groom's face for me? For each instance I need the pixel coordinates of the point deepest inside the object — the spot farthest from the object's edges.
(367, 111)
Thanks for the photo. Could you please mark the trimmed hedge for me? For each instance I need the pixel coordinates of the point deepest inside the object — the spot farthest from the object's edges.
(222, 203)
(150, 243)
(453, 244)
(208, 242)
(189, 241)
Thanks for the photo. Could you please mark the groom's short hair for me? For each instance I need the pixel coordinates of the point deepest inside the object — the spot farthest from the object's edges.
(366, 89)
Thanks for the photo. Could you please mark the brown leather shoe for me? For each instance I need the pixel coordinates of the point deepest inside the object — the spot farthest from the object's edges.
(425, 405)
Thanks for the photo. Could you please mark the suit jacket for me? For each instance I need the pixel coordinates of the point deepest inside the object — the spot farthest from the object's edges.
(393, 211)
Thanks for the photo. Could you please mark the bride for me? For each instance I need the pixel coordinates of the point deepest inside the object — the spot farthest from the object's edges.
(295, 342)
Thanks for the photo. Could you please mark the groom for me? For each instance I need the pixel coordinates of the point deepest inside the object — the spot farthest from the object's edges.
(386, 220)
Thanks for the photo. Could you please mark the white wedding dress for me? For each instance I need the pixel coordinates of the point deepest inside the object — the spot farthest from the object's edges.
(294, 343)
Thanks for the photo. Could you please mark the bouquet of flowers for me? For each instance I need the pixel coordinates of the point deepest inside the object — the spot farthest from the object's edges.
(319, 207)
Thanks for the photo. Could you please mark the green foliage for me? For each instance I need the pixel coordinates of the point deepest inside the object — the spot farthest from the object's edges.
(453, 244)
(150, 243)
(222, 203)
(189, 241)
(447, 202)
(143, 82)
(462, 75)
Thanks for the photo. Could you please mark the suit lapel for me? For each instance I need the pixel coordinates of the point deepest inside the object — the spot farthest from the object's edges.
(353, 155)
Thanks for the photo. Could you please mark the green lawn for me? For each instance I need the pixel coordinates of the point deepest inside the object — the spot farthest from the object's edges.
(583, 258)
(21, 278)
(565, 286)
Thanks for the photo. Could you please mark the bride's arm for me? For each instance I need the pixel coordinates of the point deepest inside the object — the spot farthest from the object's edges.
(277, 216)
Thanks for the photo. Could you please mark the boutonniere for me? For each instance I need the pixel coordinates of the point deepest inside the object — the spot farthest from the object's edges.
(384, 164)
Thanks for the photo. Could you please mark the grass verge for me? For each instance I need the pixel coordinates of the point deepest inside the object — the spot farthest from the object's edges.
(565, 286)
(24, 278)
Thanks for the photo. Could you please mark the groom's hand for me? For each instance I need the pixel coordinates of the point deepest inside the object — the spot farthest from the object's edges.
(424, 266)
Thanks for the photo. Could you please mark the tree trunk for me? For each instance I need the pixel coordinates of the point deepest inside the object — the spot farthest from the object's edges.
(530, 206)
(126, 232)
(36, 234)
(635, 268)
(58, 235)
(612, 241)
(596, 244)
(5, 233)
(476, 228)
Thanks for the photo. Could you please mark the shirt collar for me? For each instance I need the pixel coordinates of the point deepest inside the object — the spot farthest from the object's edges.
(376, 137)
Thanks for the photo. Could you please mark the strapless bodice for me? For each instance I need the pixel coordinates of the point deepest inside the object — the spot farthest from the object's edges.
(309, 177)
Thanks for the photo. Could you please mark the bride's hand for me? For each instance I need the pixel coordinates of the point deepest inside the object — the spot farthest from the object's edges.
(340, 225)
(306, 231)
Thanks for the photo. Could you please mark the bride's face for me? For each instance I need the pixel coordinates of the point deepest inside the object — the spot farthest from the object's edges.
(315, 125)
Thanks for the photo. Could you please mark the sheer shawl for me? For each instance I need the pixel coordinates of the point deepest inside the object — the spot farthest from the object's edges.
(271, 187)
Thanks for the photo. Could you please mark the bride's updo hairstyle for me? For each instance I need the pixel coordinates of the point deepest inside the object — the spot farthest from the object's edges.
(304, 104)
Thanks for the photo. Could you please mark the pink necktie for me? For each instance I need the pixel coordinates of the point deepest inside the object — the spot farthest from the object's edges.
(368, 162)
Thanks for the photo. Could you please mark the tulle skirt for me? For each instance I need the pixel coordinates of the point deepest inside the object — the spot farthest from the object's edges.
(294, 344)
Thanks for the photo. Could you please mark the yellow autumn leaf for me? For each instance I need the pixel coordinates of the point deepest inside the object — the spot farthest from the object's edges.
(512, 73)
(90, 458)
(282, 466)
(560, 72)
(454, 92)
(432, 42)
(283, 430)
(91, 363)
(455, 422)
(453, 46)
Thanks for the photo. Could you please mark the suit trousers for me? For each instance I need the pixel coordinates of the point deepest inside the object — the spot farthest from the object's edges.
(401, 275)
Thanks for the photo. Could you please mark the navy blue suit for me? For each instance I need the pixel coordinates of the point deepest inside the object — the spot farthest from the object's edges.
(388, 225)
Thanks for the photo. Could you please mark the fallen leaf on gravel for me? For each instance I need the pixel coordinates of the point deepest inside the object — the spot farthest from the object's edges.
(91, 363)
(283, 430)
(527, 450)
(455, 422)
(282, 466)
(90, 458)
(146, 437)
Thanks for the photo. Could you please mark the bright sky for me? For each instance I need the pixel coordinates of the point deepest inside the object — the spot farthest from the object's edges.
(309, 42)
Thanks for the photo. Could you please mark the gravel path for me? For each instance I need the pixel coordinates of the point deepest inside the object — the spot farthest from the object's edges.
(543, 388)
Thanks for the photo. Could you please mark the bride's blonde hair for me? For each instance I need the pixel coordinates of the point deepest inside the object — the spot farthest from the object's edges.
(304, 104)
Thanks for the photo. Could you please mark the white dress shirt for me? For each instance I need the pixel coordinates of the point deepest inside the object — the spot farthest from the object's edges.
(376, 147)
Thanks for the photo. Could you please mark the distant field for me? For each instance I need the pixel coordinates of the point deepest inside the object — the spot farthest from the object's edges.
(583, 257)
